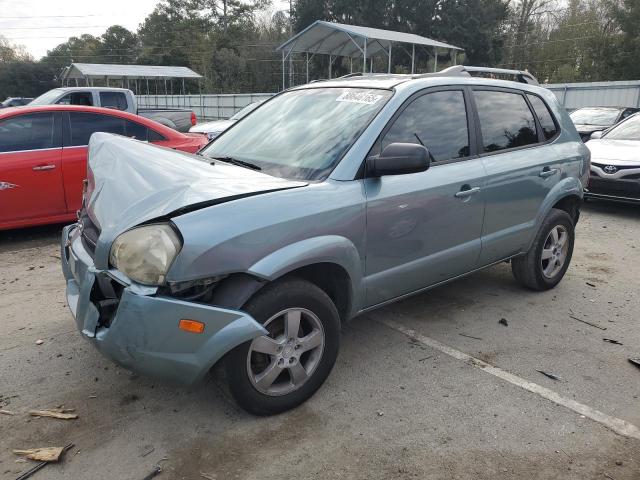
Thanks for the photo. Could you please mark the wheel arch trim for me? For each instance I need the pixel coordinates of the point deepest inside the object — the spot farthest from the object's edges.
(328, 249)
(567, 187)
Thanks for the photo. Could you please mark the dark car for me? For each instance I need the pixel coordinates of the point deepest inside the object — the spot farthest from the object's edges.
(15, 102)
(595, 119)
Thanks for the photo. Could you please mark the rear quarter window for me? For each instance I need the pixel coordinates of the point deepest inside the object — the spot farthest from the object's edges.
(547, 122)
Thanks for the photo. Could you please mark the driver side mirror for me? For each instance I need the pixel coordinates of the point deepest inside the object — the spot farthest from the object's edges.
(399, 159)
(596, 135)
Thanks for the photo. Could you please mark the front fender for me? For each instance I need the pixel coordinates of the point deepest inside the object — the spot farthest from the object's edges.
(567, 187)
(325, 249)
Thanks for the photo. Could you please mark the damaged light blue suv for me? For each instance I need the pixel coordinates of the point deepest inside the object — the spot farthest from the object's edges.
(327, 201)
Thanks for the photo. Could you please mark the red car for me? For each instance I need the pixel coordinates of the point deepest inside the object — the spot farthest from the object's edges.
(43, 157)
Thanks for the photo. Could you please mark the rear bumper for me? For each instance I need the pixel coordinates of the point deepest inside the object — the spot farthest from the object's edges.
(141, 332)
(614, 189)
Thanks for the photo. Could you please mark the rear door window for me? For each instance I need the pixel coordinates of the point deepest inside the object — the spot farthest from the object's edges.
(117, 100)
(438, 120)
(35, 131)
(505, 120)
(548, 125)
(83, 125)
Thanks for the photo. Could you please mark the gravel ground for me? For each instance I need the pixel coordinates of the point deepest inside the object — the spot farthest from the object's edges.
(392, 408)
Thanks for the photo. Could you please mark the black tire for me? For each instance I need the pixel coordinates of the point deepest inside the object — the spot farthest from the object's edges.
(265, 304)
(528, 268)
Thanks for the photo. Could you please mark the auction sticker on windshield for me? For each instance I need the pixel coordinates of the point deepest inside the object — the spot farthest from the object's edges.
(359, 97)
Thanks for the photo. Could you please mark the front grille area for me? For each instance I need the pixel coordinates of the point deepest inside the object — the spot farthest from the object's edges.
(618, 167)
(90, 232)
(105, 295)
(616, 188)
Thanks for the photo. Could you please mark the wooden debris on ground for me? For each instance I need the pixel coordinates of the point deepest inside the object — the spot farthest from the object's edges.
(7, 412)
(46, 454)
(59, 412)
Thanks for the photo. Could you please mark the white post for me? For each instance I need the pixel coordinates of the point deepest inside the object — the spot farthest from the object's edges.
(364, 58)
(435, 63)
(455, 57)
(413, 58)
(291, 77)
(350, 64)
(283, 74)
(330, 61)
(307, 67)
(389, 67)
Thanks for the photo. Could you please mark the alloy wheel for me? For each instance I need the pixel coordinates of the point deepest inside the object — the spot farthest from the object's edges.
(554, 251)
(283, 360)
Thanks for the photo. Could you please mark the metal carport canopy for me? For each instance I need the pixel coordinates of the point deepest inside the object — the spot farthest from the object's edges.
(340, 40)
(99, 70)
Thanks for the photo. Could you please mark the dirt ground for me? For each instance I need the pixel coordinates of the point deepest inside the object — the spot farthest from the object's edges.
(394, 407)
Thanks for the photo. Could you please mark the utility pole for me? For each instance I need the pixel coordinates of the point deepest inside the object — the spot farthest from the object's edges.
(290, 17)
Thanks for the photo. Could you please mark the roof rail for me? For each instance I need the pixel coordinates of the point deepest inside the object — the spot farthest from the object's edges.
(521, 76)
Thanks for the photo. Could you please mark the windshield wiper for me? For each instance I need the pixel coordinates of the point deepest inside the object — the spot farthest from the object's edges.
(240, 163)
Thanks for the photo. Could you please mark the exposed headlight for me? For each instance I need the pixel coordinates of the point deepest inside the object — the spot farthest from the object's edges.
(144, 254)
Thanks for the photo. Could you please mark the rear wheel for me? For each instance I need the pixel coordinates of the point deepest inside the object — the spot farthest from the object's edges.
(545, 264)
(280, 370)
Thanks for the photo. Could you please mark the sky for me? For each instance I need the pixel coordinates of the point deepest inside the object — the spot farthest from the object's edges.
(40, 25)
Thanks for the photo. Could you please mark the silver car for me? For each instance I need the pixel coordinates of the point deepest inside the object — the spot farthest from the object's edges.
(216, 127)
(615, 165)
(330, 200)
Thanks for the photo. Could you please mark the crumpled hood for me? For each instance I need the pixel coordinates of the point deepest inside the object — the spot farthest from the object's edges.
(615, 152)
(217, 126)
(131, 182)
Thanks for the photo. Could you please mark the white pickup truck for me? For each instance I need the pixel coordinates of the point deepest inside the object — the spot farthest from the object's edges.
(118, 98)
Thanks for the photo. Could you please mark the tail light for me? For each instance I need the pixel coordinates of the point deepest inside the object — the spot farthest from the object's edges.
(193, 118)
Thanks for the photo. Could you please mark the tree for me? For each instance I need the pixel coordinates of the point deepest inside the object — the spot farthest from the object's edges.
(626, 14)
(118, 45)
(25, 79)
(478, 26)
(85, 48)
(12, 53)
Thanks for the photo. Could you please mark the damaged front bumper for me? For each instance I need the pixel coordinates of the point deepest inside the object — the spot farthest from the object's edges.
(137, 329)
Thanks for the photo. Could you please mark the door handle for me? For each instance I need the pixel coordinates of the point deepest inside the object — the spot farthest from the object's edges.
(467, 191)
(547, 172)
(40, 168)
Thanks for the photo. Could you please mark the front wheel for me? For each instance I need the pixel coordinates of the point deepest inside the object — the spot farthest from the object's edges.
(544, 265)
(280, 370)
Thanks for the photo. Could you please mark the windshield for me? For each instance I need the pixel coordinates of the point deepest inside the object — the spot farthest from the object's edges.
(245, 111)
(594, 116)
(46, 98)
(629, 130)
(301, 134)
